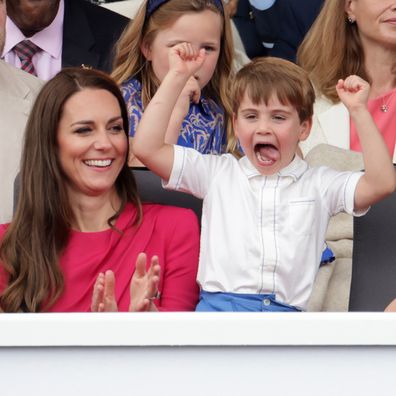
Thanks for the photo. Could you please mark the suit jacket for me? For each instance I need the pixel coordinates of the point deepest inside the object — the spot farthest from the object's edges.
(296, 18)
(17, 92)
(330, 124)
(89, 34)
(255, 26)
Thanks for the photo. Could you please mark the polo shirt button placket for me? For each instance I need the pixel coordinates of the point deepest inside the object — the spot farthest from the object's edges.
(266, 302)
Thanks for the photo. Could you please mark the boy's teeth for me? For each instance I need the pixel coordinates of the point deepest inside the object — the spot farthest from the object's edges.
(267, 152)
(100, 163)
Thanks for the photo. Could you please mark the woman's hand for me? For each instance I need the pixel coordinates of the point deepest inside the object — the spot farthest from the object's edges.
(391, 307)
(143, 288)
(144, 285)
(103, 297)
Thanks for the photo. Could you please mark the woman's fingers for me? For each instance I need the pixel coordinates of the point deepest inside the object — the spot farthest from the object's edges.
(97, 294)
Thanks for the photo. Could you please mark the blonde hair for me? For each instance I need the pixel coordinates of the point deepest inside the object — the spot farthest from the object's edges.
(129, 60)
(266, 76)
(325, 61)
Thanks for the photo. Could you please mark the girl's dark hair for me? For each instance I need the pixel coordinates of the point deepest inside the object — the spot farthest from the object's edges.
(39, 232)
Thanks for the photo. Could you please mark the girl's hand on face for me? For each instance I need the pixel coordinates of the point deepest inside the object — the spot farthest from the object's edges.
(184, 59)
(353, 92)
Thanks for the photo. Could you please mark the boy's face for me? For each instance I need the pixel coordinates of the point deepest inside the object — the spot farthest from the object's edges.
(269, 134)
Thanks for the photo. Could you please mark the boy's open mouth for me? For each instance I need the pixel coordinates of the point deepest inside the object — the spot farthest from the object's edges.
(266, 154)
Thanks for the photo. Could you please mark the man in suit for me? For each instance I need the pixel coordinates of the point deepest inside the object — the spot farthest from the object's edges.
(275, 27)
(64, 32)
(258, 23)
(17, 92)
(297, 18)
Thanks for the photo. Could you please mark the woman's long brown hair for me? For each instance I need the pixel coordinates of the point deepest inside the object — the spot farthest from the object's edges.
(332, 49)
(39, 231)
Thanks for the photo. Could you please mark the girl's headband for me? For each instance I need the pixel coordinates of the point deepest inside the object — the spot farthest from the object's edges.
(153, 5)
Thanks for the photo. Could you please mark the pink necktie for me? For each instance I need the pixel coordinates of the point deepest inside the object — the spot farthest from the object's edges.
(25, 51)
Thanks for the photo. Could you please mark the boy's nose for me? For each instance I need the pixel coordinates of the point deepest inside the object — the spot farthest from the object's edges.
(264, 127)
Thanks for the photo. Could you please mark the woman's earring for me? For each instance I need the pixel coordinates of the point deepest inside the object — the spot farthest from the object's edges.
(351, 20)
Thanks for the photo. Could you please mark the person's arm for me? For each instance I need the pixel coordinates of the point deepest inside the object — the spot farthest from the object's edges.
(190, 93)
(379, 179)
(149, 144)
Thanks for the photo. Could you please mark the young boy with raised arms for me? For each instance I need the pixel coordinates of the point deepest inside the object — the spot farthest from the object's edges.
(264, 215)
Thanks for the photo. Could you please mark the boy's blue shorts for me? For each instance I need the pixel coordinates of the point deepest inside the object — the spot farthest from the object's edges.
(235, 302)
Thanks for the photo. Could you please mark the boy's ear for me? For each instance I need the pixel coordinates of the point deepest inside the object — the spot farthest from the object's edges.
(146, 51)
(305, 129)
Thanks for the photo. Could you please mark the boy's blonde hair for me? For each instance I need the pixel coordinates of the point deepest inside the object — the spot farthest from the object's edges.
(267, 76)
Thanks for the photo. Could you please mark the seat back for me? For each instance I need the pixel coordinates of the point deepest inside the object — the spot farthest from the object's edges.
(150, 190)
(373, 284)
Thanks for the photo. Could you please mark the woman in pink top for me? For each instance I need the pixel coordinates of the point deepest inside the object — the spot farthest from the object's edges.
(351, 37)
(79, 222)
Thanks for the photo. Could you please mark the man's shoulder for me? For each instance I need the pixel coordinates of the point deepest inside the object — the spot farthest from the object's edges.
(13, 79)
(94, 11)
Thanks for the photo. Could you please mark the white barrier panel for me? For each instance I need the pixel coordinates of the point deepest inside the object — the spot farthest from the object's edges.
(198, 354)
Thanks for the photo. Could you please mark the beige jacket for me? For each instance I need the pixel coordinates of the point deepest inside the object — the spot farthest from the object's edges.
(17, 92)
(330, 125)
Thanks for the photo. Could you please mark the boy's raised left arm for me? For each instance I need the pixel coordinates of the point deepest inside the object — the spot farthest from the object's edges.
(379, 179)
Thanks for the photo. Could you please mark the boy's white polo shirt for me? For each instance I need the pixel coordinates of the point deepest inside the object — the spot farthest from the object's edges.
(261, 234)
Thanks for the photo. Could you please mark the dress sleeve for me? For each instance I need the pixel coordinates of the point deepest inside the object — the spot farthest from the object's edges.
(179, 289)
(132, 97)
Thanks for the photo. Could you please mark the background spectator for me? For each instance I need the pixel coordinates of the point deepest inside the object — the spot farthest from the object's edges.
(17, 92)
(352, 37)
(64, 33)
(141, 63)
(258, 23)
(297, 16)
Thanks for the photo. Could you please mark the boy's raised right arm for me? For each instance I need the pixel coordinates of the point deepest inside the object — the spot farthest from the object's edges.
(379, 179)
(149, 142)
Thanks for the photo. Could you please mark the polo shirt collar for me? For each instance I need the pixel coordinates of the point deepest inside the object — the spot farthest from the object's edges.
(295, 169)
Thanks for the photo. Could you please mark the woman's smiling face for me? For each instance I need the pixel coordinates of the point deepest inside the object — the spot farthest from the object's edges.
(375, 19)
(92, 144)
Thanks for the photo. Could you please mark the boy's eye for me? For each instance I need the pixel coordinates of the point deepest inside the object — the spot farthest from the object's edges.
(250, 116)
(279, 117)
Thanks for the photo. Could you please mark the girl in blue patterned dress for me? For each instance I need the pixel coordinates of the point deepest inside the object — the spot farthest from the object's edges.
(141, 62)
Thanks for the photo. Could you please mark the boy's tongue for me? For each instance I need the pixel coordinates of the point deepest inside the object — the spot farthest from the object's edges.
(267, 152)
